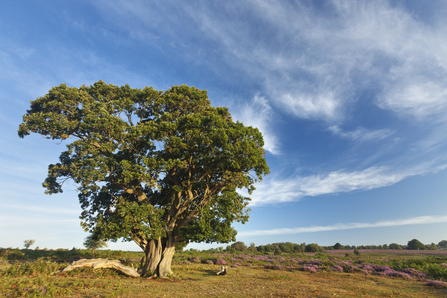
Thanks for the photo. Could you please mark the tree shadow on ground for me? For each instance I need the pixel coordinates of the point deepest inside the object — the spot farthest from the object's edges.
(208, 272)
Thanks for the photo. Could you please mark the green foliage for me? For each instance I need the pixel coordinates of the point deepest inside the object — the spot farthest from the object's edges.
(28, 243)
(356, 252)
(12, 254)
(313, 247)
(252, 248)
(287, 247)
(395, 246)
(150, 164)
(93, 243)
(415, 245)
(442, 244)
(39, 266)
(239, 246)
(338, 246)
(431, 247)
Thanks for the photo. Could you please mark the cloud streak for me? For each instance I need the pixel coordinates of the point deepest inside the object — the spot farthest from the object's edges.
(362, 134)
(276, 190)
(349, 226)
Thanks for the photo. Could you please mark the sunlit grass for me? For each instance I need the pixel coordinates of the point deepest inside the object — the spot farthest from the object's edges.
(248, 276)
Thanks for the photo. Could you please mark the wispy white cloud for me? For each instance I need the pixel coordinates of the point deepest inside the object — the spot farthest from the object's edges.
(312, 65)
(424, 100)
(336, 227)
(362, 134)
(278, 190)
(258, 113)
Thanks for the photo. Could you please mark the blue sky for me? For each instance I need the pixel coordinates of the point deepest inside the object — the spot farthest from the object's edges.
(351, 97)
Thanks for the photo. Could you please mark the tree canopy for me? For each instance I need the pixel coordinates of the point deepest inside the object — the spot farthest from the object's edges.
(156, 167)
(28, 243)
(91, 243)
(442, 244)
(415, 245)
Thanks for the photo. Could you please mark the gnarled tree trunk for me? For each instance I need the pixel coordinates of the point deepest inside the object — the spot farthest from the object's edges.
(158, 257)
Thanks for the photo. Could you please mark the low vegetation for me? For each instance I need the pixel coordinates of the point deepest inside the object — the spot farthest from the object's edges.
(36, 273)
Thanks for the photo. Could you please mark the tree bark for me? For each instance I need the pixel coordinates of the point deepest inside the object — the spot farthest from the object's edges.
(158, 258)
(164, 267)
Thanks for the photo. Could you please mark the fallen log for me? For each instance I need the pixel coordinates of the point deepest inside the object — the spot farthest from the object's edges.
(103, 263)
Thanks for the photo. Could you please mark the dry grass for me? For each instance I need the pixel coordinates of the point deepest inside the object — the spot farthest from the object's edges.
(199, 280)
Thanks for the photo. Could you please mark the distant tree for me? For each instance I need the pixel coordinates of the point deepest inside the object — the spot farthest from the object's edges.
(415, 245)
(356, 252)
(385, 246)
(28, 243)
(303, 247)
(93, 243)
(395, 246)
(338, 246)
(252, 248)
(297, 248)
(431, 247)
(442, 244)
(285, 247)
(313, 247)
(239, 246)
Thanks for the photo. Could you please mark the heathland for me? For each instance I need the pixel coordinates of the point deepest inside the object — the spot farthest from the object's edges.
(335, 273)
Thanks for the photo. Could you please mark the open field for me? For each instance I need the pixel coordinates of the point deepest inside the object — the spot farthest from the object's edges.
(291, 275)
(402, 252)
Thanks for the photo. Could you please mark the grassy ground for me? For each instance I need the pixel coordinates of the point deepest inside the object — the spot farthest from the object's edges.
(25, 277)
(197, 280)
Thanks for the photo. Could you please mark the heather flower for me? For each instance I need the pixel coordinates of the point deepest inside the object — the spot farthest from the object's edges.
(400, 274)
(220, 261)
(443, 264)
(282, 260)
(437, 284)
(309, 268)
(259, 258)
(278, 267)
(236, 265)
(195, 260)
(416, 273)
(337, 268)
(365, 266)
(351, 269)
(315, 262)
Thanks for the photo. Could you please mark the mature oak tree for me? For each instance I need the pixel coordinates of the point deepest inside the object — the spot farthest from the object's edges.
(159, 168)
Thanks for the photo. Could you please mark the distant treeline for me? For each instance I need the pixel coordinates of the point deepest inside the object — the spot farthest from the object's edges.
(289, 247)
